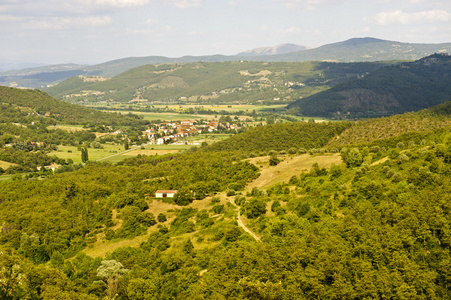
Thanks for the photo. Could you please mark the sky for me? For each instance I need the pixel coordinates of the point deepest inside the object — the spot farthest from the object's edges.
(95, 31)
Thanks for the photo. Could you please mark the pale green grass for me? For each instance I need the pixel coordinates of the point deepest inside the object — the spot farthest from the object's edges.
(5, 165)
(151, 116)
(288, 167)
(115, 153)
(68, 128)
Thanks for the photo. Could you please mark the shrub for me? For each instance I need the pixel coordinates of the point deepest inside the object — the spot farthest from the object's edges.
(274, 161)
(161, 217)
(215, 199)
(230, 192)
(403, 158)
(292, 151)
(302, 150)
(240, 199)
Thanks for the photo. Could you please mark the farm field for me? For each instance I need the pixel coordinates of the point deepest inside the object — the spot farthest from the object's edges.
(116, 153)
(171, 116)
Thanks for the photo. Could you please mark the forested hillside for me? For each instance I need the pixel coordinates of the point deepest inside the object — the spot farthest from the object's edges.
(281, 136)
(376, 226)
(390, 90)
(200, 83)
(414, 126)
(27, 106)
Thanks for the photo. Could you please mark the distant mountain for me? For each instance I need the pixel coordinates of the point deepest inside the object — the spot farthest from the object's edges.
(353, 50)
(279, 49)
(365, 49)
(395, 89)
(40, 76)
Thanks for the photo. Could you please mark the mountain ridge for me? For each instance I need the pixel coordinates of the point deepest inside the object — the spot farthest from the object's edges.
(279, 49)
(409, 86)
(351, 50)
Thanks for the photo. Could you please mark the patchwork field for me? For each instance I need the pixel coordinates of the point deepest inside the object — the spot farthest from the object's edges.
(116, 153)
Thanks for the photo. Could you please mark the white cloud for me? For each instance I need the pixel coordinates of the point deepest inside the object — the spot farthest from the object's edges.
(167, 28)
(309, 4)
(196, 33)
(68, 22)
(292, 30)
(151, 21)
(7, 18)
(140, 31)
(400, 17)
(186, 3)
(118, 3)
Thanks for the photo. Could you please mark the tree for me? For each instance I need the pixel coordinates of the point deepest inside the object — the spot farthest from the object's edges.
(84, 154)
(126, 145)
(183, 196)
(352, 157)
(255, 208)
(274, 161)
(111, 271)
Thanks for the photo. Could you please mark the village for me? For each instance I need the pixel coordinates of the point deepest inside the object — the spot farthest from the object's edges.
(177, 131)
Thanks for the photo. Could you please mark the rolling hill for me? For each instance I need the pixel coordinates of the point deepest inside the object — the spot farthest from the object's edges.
(394, 89)
(221, 82)
(352, 50)
(27, 106)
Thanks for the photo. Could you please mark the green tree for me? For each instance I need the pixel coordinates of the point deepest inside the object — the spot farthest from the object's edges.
(84, 154)
(183, 196)
(111, 271)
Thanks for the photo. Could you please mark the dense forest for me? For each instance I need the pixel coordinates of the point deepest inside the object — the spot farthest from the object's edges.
(409, 86)
(374, 226)
(281, 136)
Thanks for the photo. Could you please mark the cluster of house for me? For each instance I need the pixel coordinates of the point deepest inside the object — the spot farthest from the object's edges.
(161, 133)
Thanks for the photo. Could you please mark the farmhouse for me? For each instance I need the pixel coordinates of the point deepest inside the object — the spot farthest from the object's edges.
(165, 193)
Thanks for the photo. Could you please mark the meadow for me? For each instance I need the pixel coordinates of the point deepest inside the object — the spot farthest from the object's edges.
(115, 153)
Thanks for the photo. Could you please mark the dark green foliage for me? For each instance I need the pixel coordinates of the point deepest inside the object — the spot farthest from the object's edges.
(84, 154)
(389, 90)
(282, 136)
(254, 208)
(161, 217)
(183, 196)
(274, 161)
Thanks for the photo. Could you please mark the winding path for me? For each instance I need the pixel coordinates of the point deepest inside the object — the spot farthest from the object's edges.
(241, 224)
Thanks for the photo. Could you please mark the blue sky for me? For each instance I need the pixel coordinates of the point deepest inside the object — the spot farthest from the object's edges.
(95, 31)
